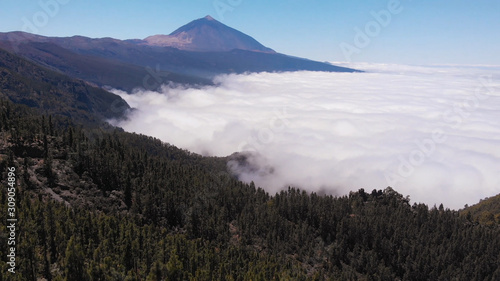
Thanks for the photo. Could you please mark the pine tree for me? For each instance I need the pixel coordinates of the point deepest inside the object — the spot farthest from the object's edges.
(74, 261)
(174, 267)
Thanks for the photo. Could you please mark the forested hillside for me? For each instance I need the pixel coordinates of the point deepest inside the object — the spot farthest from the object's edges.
(486, 212)
(25, 82)
(109, 205)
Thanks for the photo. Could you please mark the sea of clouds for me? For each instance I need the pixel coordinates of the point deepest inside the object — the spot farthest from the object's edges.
(430, 132)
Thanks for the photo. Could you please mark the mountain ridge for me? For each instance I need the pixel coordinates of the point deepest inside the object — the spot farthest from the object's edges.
(205, 48)
(28, 83)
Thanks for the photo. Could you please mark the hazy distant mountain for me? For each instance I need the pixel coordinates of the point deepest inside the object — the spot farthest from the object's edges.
(192, 54)
(207, 35)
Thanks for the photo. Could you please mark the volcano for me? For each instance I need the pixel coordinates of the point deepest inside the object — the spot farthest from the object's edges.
(207, 35)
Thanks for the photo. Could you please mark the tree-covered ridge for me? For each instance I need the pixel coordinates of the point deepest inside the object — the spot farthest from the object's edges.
(109, 205)
(25, 82)
(486, 212)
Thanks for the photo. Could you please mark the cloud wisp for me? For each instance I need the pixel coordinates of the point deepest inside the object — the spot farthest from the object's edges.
(430, 132)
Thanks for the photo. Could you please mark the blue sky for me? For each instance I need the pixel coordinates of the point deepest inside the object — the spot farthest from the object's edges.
(418, 32)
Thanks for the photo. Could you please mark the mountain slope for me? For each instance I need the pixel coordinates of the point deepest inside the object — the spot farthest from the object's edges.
(27, 83)
(122, 206)
(129, 207)
(487, 211)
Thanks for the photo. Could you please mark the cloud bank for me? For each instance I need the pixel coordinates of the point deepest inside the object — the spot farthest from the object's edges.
(431, 132)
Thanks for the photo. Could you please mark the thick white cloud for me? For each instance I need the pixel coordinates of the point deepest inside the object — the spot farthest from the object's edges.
(431, 132)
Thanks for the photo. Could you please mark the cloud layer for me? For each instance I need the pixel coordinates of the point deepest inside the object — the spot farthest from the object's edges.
(430, 132)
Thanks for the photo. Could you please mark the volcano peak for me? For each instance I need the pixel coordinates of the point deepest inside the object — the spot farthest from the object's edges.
(207, 35)
(208, 17)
